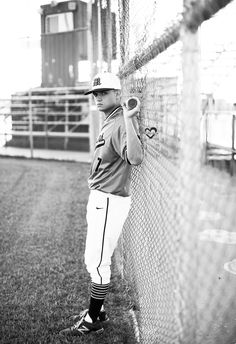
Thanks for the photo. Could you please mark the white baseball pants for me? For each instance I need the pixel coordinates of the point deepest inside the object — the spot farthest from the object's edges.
(106, 214)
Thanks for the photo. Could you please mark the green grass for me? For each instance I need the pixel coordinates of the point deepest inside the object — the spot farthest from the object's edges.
(43, 276)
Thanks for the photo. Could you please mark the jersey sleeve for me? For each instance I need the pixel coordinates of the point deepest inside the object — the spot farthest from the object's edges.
(118, 140)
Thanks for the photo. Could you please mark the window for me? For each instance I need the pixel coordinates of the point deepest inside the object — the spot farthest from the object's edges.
(59, 22)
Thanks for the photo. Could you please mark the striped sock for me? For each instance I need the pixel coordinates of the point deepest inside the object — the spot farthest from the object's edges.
(98, 294)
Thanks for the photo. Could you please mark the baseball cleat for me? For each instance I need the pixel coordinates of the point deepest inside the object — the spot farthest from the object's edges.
(103, 317)
(82, 327)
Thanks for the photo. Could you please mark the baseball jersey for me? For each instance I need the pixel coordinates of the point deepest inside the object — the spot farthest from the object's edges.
(110, 168)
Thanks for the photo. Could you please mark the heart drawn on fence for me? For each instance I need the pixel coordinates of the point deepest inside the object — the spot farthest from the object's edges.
(150, 132)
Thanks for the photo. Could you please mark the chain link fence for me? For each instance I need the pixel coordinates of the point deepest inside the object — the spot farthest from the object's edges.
(177, 252)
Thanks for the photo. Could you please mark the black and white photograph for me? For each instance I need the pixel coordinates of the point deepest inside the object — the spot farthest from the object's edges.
(118, 172)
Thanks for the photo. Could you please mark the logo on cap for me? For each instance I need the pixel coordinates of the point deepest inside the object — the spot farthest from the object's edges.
(97, 82)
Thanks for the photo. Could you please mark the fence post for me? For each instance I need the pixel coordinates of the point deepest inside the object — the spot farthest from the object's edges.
(190, 158)
(206, 148)
(31, 126)
(66, 123)
(124, 31)
(5, 129)
(46, 127)
(99, 28)
(232, 146)
(93, 117)
(100, 56)
(109, 35)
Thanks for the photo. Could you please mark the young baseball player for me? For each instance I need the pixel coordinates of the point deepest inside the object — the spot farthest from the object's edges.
(118, 147)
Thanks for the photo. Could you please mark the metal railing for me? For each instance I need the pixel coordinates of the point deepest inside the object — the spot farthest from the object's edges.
(219, 131)
(62, 116)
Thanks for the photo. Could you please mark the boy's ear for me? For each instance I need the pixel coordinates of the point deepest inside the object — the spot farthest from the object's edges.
(118, 94)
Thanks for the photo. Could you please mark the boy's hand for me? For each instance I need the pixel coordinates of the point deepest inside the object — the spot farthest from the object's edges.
(133, 112)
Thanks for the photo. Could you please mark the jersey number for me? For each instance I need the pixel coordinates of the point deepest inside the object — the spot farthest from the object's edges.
(98, 164)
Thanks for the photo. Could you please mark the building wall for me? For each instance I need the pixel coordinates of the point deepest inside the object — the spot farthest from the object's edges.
(62, 51)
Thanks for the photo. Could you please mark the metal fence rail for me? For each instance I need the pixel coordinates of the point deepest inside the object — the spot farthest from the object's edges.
(219, 140)
(30, 116)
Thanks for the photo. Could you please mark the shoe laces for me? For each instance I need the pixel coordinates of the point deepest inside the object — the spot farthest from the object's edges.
(83, 313)
(77, 324)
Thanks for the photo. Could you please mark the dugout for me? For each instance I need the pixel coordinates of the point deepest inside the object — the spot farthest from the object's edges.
(76, 39)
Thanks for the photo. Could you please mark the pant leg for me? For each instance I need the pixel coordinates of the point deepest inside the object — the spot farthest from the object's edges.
(106, 215)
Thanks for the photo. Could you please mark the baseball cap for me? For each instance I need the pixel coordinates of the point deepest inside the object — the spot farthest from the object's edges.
(105, 81)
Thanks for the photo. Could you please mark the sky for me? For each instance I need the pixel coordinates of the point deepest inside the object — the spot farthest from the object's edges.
(20, 58)
(19, 19)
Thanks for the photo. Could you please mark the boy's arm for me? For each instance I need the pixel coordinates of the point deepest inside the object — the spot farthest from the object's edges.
(134, 145)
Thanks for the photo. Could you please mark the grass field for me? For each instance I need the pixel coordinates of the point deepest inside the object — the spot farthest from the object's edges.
(43, 277)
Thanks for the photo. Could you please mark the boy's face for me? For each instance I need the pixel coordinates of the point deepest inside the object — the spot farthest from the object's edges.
(106, 100)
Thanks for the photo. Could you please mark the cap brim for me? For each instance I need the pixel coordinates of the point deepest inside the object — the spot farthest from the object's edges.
(98, 89)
